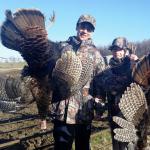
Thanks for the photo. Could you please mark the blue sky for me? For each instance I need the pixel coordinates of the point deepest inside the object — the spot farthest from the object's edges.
(129, 18)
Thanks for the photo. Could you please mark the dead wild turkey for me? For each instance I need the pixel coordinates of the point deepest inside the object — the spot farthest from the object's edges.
(135, 107)
(24, 31)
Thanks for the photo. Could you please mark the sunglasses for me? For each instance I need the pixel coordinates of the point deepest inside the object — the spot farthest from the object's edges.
(87, 26)
(116, 48)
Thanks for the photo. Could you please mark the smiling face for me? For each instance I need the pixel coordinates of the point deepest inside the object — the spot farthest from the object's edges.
(118, 54)
(84, 31)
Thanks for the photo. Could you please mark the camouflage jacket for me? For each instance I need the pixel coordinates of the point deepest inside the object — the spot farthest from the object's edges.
(80, 107)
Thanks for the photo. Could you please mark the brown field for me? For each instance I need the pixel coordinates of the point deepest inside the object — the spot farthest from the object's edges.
(20, 130)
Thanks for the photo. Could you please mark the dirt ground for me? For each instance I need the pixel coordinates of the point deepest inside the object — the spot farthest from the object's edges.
(20, 130)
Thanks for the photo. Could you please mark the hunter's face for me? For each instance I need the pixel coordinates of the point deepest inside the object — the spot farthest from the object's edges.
(118, 54)
(84, 31)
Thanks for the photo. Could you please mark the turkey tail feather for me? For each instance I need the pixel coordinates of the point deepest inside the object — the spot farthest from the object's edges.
(141, 72)
(13, 30)
(29, 17)
(24, 31)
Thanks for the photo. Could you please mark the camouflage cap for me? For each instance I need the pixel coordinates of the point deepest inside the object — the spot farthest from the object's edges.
(87, 18)
(119, 43)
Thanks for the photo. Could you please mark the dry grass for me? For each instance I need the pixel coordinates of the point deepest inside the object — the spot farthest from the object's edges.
(101, 140)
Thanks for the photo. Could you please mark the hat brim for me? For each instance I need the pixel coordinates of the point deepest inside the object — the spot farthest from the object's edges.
(116, 48)
(92, 26)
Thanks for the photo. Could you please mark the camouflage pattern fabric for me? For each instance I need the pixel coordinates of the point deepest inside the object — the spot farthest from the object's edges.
(120, 43)
(87, 18)
(69, 110)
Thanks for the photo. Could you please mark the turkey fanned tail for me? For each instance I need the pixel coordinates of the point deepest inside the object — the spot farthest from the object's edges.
(141, 72)
(24, 31)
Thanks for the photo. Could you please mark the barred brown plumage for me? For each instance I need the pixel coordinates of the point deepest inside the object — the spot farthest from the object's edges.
(133, 105)
(3, 94)
(9, 106)
(87, 67)
(68, 68)
(125, 135)
(124, 123)
(127, 132)
(71, 74)
(14, 93)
